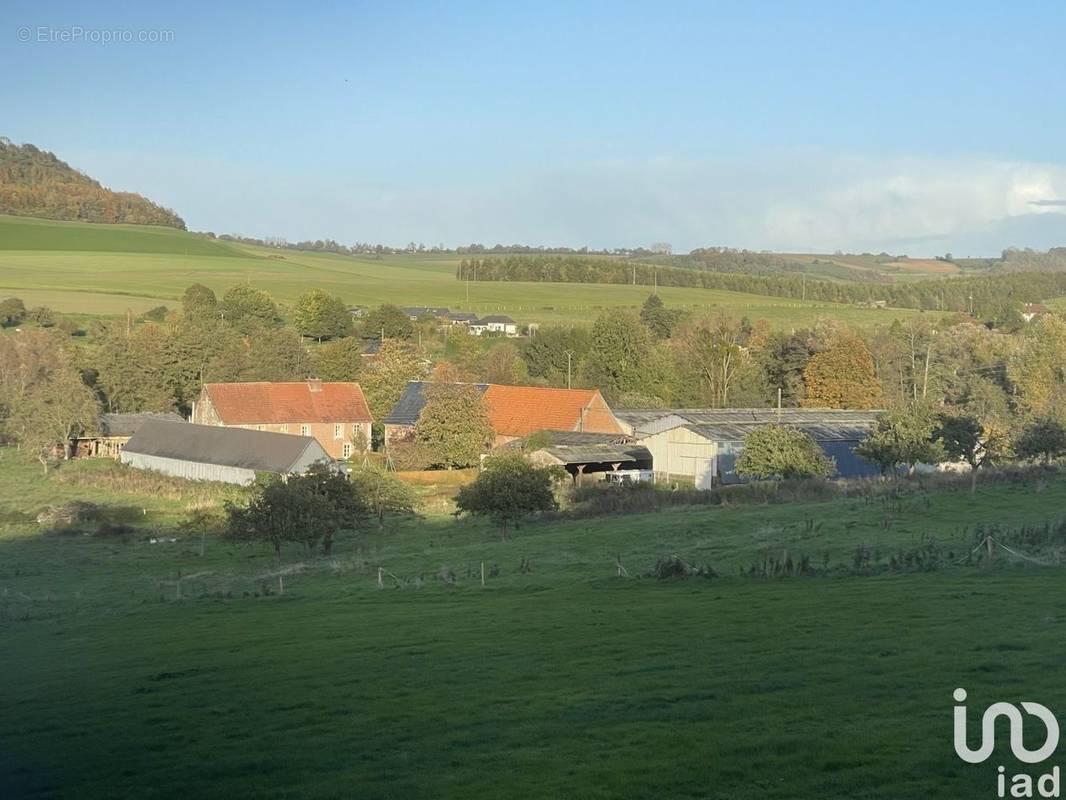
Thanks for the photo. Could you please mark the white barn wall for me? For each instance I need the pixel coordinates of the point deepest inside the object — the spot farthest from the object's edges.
(681, 452)
(190, 470)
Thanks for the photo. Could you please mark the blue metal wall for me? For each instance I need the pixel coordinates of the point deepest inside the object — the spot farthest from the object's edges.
(849, 465)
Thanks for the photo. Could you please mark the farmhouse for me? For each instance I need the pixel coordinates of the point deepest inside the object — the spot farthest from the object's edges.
(227, 455)
(702, 445)
(588, 456)
(1031, 311)
(335, 414)
(115, 431)
(516, 411)
(494, 323)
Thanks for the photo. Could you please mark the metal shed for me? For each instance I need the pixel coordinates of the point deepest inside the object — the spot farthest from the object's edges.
(227, 455)
(702, 445)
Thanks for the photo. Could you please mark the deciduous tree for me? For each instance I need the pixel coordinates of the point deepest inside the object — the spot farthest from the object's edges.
(319, 315)
(454, 425)
(779, 451)
(508, 489)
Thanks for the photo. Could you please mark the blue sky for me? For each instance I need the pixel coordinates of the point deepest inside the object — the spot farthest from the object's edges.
(909, 127)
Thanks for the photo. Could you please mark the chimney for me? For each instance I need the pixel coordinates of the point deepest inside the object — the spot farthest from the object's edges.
(314, 385)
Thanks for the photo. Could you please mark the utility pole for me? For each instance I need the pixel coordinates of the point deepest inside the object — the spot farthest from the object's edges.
(569, 358)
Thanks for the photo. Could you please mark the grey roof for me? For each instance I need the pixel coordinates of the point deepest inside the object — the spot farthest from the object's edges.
(230, 447)
(462, 316)
(129, 424)
(498, 318)
(648, 421)
(575, 447)
(409, 407)
(420, 311)
(725, 432)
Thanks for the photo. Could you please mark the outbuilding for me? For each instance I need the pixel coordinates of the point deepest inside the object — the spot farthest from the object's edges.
(702, 445)
(226, 455)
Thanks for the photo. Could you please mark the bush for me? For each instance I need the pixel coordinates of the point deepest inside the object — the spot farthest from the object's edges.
(674, 567)
(71, 513)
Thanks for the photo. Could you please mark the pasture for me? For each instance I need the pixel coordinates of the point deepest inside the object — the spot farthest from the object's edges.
(79, 268)
(557, 679)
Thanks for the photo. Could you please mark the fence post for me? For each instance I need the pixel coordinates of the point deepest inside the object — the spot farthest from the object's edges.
(381, 584)
(482, 573)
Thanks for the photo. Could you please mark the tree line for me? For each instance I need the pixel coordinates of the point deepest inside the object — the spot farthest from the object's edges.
(999, 296)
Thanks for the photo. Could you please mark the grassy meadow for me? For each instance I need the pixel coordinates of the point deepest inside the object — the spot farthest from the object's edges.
(555, 679)
(80, 268)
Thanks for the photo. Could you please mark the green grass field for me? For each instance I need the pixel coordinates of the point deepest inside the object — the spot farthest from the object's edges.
(80, 268)
(564, 681)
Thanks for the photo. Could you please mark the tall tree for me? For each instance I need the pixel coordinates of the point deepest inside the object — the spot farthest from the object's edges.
(319, 315)
(905, 437)
(53, 412)
(842, 376)
(454, 425)
(389, 321)
(384, 378)
(1042, 438)
(964, 438)
(198, 301)
(622, 358)
(711, 349)
(249, 309)
(338, 360)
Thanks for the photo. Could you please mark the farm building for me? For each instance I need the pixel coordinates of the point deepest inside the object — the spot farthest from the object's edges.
(516, 411)
(336, 414)
(115, 431)
(226, 455)
(702, 445)
(587, 456)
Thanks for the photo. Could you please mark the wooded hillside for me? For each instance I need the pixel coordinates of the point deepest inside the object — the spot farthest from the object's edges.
(34, 183)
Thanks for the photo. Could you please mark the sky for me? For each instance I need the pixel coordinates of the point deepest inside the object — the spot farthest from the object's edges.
(920, 128)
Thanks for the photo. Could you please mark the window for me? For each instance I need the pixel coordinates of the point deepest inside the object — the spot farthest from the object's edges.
(338, 431)
(347, 450)
(305, 430)
(259, 427)
(355, 428)
(284, 428)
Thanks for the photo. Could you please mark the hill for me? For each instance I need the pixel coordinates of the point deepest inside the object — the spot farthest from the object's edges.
(35, 183)
(90, 269)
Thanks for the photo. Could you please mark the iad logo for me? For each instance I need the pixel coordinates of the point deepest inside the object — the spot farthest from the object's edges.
(1021, 785)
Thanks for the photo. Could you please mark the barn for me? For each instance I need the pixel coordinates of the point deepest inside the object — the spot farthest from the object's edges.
(587, 456)
(702, 445)
(226, 455)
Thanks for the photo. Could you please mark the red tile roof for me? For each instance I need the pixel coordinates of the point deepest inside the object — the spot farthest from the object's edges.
(298, 401)
(521, 410)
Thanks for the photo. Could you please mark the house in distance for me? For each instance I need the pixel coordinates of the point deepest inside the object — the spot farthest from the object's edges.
(336, 414)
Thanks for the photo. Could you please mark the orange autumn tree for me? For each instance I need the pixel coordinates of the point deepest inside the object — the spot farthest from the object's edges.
(842, 375)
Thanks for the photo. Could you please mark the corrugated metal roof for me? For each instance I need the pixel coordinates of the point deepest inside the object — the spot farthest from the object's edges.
(129, 424)
(229, 447)
(820, 433)
(649, 421)
(261, 402)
